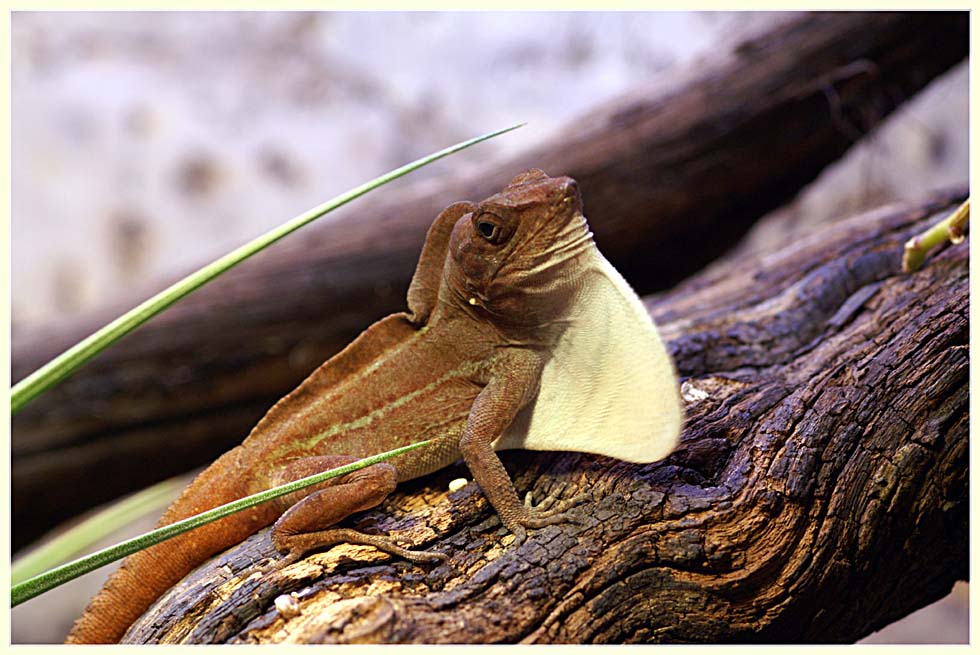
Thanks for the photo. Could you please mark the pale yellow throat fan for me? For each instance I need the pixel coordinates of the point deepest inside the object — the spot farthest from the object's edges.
(610, 386)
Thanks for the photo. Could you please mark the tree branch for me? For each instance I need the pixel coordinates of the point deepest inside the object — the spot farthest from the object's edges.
(820, 491)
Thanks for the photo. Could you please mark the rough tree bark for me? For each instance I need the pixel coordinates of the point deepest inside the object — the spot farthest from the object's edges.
(820, 491)
(706, 154)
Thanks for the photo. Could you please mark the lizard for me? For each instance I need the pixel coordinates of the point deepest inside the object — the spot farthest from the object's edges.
(518, 334)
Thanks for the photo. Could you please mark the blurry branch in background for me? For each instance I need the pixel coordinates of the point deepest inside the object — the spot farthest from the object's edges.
(672, 175)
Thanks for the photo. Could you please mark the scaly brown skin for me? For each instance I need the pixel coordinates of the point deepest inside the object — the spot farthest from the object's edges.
(455, 368)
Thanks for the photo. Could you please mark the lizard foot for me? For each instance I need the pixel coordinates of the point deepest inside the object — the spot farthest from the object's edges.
(548, 504)
(276, 564)
(549, 512)
(296, 545)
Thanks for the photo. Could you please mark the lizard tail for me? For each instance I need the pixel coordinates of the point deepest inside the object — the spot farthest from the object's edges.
(146, 575)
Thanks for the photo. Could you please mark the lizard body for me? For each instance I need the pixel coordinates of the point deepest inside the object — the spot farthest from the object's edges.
(518, 334)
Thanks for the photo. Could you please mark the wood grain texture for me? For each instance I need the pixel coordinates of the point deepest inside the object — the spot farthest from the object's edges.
(671, 175)
(820, 491)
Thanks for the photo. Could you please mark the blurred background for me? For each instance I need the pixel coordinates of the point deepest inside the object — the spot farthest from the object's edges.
(145, 144)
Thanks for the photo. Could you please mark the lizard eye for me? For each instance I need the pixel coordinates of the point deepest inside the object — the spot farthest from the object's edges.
(487, 229)
(490, 229)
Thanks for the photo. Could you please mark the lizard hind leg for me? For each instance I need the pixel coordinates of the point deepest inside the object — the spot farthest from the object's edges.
(306, 524)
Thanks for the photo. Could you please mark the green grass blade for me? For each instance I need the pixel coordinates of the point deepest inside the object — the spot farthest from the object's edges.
(69, 361)
(82, 536)
(46, 581)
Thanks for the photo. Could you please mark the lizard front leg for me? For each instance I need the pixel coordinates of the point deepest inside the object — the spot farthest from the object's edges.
(306, 523)
(513, 381)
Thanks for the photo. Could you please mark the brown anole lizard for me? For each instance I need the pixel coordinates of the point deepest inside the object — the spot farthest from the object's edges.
(518, 334)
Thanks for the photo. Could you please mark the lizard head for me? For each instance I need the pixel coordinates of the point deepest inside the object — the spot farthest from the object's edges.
(511, 255)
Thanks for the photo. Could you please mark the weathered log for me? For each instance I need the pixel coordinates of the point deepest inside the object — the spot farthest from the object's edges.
(820, 491)
(660, 170)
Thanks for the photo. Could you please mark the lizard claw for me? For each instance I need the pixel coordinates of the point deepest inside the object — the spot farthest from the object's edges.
(549, 518)
(427, 557)
(290, 557)
(551, 507)
(549, 512)
(520, 535)
(274, 564)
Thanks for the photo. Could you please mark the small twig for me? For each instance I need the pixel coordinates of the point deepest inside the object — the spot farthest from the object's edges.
(952, 229)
